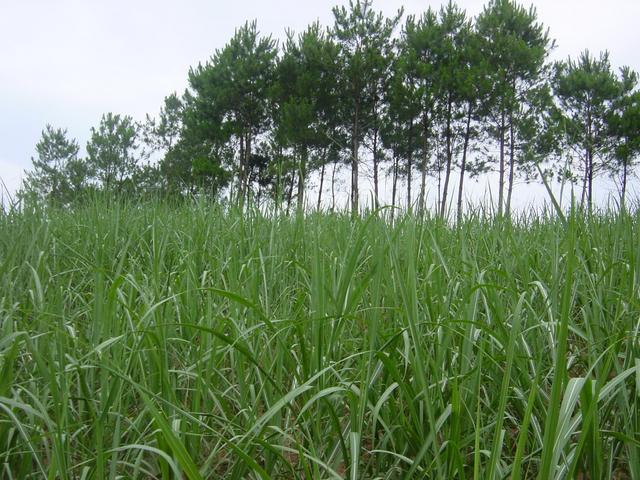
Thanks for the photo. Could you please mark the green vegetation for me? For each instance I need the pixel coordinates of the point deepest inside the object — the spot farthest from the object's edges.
(171, 305)
(148, 340)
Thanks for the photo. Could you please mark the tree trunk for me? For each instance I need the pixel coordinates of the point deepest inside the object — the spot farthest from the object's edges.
(449, 147)
(245, 147)
(590, 182)
(583, 195)
(624, 186)
(279, 185)
(501, 179)
(511, 166)
(355, 147)
(394, 188)
(278, 190)
(290, 193)
(463, 165)
(302, 169)
(409, 165)
(321, 182)
(375, 168)
(423, 179)
(589, 160)
(439, 199)
(240, 191)
(409, 179)
(247, 167)
(333, 186)
(423, 187)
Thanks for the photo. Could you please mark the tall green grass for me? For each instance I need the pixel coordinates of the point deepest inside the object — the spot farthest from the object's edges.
(195, 341)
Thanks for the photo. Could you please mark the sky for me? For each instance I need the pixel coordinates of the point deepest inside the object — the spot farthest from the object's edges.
(66, 62)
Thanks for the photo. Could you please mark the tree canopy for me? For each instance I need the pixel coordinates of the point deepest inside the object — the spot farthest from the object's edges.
(434, 96)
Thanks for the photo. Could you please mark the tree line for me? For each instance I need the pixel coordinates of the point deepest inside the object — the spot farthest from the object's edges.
(411, 98)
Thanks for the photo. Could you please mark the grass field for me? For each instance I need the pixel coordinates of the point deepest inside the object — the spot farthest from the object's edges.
(189, 341)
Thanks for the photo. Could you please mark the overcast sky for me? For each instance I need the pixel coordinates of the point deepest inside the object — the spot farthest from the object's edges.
(66, 62)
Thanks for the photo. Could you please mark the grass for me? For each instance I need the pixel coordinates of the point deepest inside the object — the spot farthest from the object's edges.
(192, 341)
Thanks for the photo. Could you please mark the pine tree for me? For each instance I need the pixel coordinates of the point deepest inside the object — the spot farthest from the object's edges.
(400, 128)
(58, 174)
(228, 102)
(112, 152)
(623, 124)
(585, 90)
(516, 46)
(420, 78)
(363, 37)
(305, 94)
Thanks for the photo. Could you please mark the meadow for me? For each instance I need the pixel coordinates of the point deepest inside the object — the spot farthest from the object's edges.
(198, 341)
